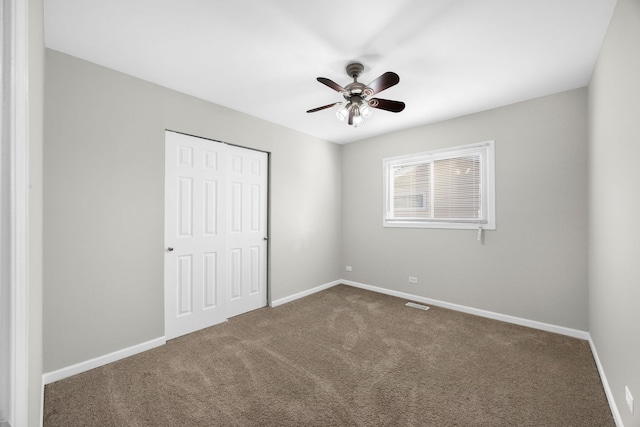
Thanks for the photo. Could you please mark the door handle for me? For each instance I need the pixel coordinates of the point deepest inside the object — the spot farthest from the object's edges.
(169, 249)
(265, 238)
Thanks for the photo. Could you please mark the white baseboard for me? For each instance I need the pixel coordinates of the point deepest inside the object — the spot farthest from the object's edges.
(50, 377)
(607, 389)
(306, 293)
(575, 333)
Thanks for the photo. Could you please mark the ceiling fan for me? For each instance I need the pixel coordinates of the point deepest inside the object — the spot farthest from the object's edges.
(358, 105)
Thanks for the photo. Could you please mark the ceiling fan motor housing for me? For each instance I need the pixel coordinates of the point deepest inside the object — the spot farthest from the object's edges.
(355, 69)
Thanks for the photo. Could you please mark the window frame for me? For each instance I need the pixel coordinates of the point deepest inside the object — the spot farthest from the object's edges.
(485, 149)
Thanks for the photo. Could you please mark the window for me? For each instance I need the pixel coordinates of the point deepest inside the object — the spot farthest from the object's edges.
(450, 188)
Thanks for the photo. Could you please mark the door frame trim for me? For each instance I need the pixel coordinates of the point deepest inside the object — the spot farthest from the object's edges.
(15, 207)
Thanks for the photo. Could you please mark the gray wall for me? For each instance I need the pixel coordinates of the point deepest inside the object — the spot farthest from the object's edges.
(614, 229)
(104, 204)
(534, 265)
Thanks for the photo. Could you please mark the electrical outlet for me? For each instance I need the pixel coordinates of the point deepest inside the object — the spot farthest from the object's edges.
(413, 279)
(348, 268)
(629, 397)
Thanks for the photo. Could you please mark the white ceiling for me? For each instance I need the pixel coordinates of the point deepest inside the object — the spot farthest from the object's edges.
(262, 57)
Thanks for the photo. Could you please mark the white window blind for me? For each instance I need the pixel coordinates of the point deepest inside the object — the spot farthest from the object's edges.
(450, 188)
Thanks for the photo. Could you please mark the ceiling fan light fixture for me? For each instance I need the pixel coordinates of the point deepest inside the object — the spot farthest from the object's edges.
(357, 116)
(343, 112)
(365, 110)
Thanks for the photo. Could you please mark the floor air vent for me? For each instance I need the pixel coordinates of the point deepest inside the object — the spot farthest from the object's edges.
(419, 306)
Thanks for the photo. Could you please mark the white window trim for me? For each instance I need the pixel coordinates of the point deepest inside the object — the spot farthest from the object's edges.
(489, 199)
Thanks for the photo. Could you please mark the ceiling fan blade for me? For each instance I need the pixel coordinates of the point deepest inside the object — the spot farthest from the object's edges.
(351, 113)
(383, 82)
(322, 108)
(333, 85)
(387, 104)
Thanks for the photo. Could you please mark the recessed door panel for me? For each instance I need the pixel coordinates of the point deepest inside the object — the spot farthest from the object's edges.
(235, 204)
(254, 209)
(210, 279)
(210, 197)
(185, 156)
(236, 163)
(254, 285)
(185, 207)
(185, 285)
(210, 160)
(255, 167)
(236, 273)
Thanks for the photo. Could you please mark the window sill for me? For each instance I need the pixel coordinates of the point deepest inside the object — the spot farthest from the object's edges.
(441, 225)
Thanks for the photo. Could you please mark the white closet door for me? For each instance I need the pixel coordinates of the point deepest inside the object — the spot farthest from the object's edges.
(247, 230)
(215, 226)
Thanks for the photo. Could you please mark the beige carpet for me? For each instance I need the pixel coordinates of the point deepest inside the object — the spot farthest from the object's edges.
(343, 357)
